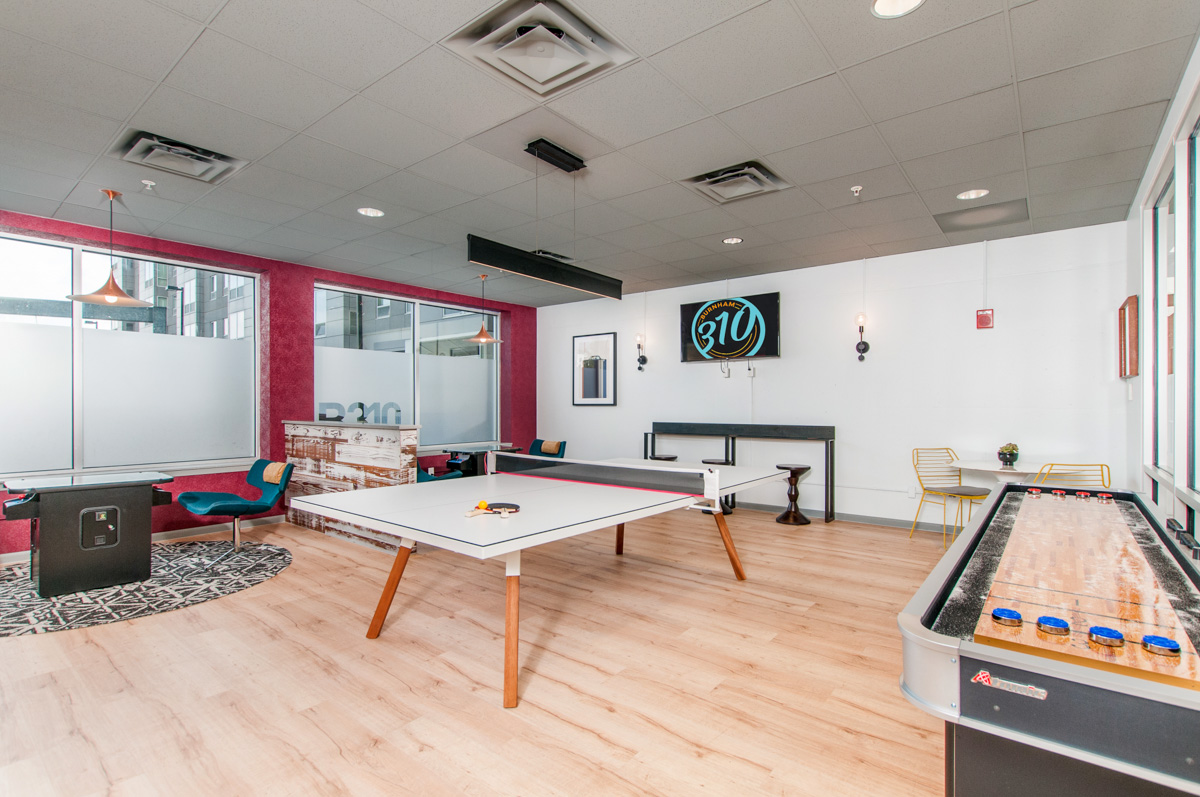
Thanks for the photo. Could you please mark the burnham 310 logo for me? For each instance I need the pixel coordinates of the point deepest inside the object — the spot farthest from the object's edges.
(724, 329)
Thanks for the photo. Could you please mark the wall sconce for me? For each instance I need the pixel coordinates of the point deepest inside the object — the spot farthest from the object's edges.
(641, 358)
(862, 347)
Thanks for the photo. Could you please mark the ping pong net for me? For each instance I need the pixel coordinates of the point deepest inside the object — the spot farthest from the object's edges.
(681, 481)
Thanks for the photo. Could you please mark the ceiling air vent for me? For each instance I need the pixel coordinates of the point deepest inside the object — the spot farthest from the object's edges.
(738, 182)
(544, 47)
(176, 157)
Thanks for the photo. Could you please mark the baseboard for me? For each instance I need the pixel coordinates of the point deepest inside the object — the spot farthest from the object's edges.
(20, 557)
(817, 514)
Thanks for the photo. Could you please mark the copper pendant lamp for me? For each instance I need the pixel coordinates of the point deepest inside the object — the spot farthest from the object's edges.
(483, 337)
(110, 294)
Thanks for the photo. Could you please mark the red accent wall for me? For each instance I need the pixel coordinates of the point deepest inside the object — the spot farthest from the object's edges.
(286, 349)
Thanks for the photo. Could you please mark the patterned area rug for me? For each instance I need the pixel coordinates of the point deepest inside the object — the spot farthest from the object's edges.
(179, 576)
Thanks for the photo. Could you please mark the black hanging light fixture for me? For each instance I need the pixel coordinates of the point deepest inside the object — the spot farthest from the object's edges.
(110, 294)
(483, 337)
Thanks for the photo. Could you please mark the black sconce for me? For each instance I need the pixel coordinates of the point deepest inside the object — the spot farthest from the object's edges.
(862, 347)
(641, 358)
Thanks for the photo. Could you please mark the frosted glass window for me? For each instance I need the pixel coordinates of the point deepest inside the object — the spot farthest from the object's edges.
(459, 395)
(35, 335)
(362, 373)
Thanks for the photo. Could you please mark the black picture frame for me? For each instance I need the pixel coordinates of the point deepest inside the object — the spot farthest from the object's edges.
(594, 370)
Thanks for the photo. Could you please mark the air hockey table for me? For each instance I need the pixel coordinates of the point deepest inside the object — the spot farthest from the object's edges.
(1057, 639)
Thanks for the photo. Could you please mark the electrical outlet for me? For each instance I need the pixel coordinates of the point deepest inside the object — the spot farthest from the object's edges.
(430, 469)
(912, 492)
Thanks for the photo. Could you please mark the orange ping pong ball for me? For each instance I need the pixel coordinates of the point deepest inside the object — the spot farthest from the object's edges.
(481, 505)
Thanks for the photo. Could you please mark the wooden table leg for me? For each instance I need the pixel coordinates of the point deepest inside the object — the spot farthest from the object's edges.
(620, 538)
(512, 600)
(729, 549)
(389, 589)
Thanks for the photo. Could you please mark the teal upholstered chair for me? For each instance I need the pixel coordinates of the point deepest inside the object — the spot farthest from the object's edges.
(230, 504)
(538, 448)
(423, 476)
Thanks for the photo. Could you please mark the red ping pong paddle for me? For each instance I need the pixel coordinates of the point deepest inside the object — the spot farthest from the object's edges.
(503, 510)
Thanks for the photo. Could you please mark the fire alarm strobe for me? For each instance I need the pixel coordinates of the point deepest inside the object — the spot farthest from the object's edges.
(984, 319)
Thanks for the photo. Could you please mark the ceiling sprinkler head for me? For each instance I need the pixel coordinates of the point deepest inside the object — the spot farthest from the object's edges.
(856, 189)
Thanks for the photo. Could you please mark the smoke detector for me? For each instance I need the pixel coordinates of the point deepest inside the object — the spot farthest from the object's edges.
(542, 46)
(738, 182)
(158, 152)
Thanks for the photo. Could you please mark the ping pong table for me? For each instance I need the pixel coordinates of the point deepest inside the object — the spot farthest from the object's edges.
(558, 498)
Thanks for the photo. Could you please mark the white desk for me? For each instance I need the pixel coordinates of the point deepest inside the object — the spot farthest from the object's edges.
(1017, 473)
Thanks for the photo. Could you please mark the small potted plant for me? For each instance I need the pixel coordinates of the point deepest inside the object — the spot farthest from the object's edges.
(1007, 454)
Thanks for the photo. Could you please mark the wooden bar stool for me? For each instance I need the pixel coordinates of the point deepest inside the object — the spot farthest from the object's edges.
(792, 516)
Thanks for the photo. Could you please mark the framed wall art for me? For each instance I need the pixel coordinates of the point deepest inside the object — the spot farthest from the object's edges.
(1127, 334)
(594, 370)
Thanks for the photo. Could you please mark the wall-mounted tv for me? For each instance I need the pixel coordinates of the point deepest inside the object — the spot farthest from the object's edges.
(740, 328)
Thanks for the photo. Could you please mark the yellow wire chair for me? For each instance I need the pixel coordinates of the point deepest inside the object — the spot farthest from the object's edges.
(1074, 475)
(940, 481)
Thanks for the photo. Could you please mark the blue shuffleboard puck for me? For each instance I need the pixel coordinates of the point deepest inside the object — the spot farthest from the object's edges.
(1110, 637)
(1160, 645)
(1054, 625)
(1006, 616)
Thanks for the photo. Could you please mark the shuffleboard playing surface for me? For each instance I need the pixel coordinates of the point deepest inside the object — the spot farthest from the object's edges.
(1081, 561)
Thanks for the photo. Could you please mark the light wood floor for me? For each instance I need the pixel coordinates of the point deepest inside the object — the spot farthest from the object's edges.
(651, 673)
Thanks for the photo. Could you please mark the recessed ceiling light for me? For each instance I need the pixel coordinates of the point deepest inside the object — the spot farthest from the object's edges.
(974, 193)
(731, 241)
(371, 212)
(890, 9)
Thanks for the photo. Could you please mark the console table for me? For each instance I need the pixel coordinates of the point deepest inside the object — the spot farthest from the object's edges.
(759, 431)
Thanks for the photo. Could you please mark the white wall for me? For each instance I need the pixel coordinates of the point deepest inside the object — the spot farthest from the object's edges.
(1045, 377)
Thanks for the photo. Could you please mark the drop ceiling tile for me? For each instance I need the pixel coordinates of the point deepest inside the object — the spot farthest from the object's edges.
(614, 175)
(317, 223)
(483, 215)
(193, 120)
(786, 204)
(431, 19)
(144, 208)
(23, 203)
(215, 221)
(586, 250)
(660, 271)
(1081, 199)
(971, 120)
(595, 219)
(907, 230)
(848, 153)
(838, 256)
(346, 43)
(673, 252)
(508, 140)
(133, 35)
(752, 237)
(216, 68)
(1087, 172)
(1123, 81)
(346, 208)
(713, 266)
(199, 10)
(433, 228)
(643, 236)
(63, 77)
(190, 235)
(97, 217)
(463, 166)
(1051, 36)
(1002, 188)
(540, 234)
(852, 34)
(446, 92)
(298, 240)
(544, 195)
(1096, 135)
(966, 163)
(40, 156)
(771, 253)
(705, 222)
(358, 252)
(803, 226)
(791, 117)
(692, 150)
(761, 51)
(39, 184)
(370, 129)
(650, 27)
(911, 245)
(882, 211)
(268, 183)
(661, 202)
(628, 106)
(308, 157)
(408, 190)
(990, 233)
(950, 66)
(331, 263)
(830, 242)
(272, 252)
(54, 124)
(876, 184)
(1081, 219)
(127, 177)
(398, 244)
(227, 200)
